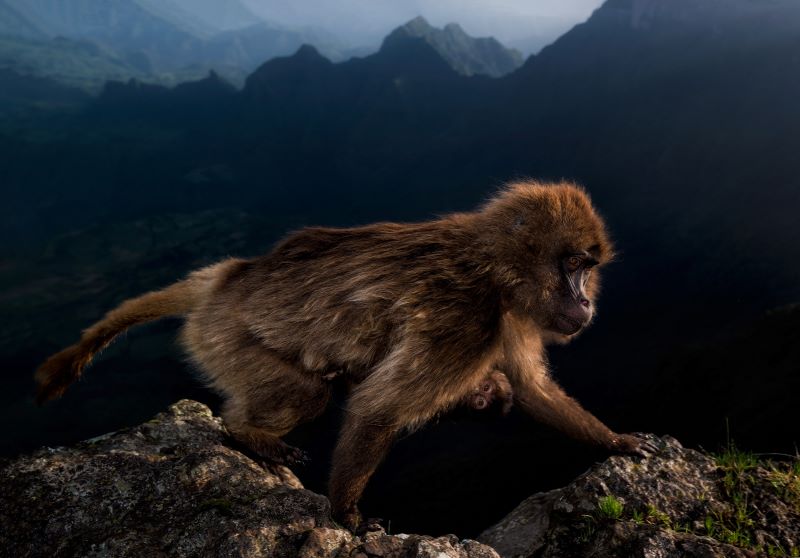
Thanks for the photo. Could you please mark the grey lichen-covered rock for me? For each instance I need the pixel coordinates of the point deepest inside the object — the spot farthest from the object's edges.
(676, 503)
(172, 487)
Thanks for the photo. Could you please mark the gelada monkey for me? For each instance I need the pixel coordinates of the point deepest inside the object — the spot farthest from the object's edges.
(418, 313)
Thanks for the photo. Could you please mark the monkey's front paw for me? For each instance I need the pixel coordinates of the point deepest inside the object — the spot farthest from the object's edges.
(634, 444)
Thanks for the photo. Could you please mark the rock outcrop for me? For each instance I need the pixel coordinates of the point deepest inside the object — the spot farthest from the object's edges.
(676, 503)
(172, 487)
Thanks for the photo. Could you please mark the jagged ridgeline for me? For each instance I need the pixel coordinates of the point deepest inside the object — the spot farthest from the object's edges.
(83, 44)
(680, 116)
(466, 55)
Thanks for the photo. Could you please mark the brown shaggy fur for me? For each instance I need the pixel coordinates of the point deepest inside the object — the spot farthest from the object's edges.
(418, 314)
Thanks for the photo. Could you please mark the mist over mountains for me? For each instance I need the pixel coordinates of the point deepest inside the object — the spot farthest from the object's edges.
(525, 25)
(680, 117)
(85, 42)
(165, 41)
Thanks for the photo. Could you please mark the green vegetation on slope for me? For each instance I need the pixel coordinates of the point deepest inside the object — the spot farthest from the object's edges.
(76, 63)
(748, 487)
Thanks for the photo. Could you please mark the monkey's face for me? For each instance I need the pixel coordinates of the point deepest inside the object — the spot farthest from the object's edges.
(559, 293)
(558, 290)
(554, 243)
(572, 307)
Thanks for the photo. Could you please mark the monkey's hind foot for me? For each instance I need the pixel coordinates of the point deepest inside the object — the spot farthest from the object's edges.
(279, 466)
(356, 524)
(290, 455)
(369, 525)
(282, 453)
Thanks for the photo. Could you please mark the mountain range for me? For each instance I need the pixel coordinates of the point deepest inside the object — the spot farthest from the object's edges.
(168, 41)
(679, 116)
(465, 54)
(204, 16)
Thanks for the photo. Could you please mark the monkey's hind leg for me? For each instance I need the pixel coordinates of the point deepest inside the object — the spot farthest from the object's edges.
(363, 443)
(274, 397)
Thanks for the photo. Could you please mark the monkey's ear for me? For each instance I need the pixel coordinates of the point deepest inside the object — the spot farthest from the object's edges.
(604, 251)
(609, 254)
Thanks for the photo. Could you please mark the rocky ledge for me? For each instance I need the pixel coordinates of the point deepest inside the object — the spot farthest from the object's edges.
(172, 487)
(676, 503)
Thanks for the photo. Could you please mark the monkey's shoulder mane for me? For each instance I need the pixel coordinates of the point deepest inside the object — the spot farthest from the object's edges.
(378, 239)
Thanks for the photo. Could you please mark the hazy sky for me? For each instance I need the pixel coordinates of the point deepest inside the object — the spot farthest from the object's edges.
(508, 20)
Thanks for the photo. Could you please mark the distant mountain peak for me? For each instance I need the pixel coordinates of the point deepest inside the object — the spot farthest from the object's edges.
(418, 24)
(305, 56)
(279, 75)
(308, 52)
(454, 27)
(465, 54)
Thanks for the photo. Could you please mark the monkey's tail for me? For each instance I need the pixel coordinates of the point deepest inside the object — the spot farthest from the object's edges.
(60, 370)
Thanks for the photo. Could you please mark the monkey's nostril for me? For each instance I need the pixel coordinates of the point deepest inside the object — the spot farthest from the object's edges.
(585, 302)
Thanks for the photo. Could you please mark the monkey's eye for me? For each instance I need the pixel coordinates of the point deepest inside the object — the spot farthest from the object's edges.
(573, 263)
